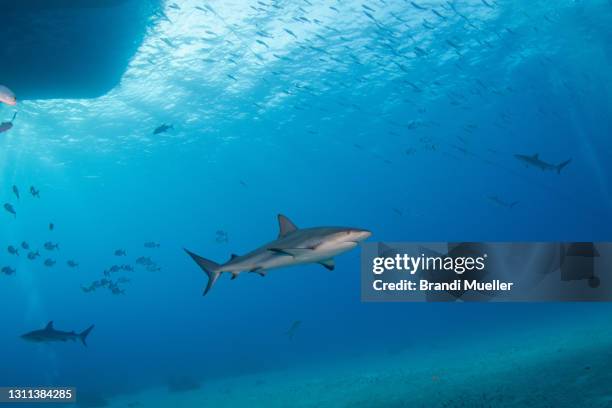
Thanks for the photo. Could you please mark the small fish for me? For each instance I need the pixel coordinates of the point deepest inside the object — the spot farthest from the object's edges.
(294, 326)
(49, 262)
(9, 208)
(418, 7)
(50, 246)
(33, 255)
(12, 250)
(25, 245)
(428, 25)
(365, 6)
(7, 270)
(438, 14)
(222, 237)
(51, 226)
(128, 268)
(7, 96)
(34, 192)
(262, 43)
(162, 129)
(6, 126)
(420, 52)
(144, 260)
(120, 252)
(291, 33)
(501, 202)
(16, 191)
(453, 44)
(370, 16)
(151, 244)
(72, 264)
(114, 268)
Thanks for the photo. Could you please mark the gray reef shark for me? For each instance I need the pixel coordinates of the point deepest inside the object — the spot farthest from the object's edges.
(535, 161)
(292, 247)
(49, 334)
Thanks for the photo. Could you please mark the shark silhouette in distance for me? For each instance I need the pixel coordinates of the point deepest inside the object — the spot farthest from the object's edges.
(49, 334)
(293, 246)
(536, 162)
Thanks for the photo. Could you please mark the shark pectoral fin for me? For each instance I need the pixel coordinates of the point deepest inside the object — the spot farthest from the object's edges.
(291, 251)
(234, 275)
(259, 271)
(329, 264)
(280, 251)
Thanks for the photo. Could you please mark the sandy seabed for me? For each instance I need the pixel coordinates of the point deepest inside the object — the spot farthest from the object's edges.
(545, 367)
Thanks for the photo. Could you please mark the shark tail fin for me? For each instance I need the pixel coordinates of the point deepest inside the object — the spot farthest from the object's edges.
(210, 267)
(560, 166)
(85, 333)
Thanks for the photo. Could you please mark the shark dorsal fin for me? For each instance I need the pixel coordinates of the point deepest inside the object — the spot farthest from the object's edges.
(285, 226)
(49, 325)
(536, 156)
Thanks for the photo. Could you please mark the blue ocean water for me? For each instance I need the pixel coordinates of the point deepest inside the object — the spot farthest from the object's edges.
(396, 116)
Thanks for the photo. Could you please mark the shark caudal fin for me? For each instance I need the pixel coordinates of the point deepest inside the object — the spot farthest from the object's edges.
(210, 267)
(85, 333)
(560, 166)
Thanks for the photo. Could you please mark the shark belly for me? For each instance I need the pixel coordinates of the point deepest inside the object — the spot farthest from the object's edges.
(327, 251)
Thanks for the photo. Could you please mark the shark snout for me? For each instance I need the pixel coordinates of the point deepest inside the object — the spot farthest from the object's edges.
(360, 234)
